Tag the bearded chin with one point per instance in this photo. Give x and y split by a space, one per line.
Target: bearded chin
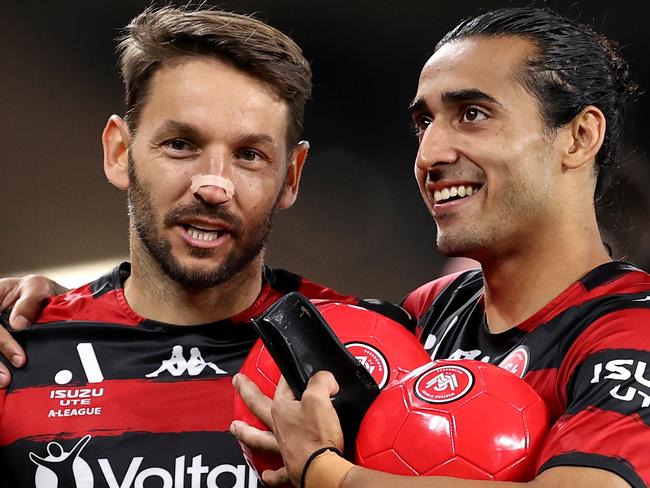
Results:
248 243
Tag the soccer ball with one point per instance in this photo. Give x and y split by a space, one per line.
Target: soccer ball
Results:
465 419
387 350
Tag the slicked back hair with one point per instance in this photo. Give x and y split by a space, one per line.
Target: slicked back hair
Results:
259 50
571 67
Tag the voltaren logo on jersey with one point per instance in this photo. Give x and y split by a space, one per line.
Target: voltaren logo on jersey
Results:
78 401
67 469
372 359
444 383
517 361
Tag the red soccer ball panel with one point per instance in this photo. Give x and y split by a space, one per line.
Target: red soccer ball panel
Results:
389 458
424 452
385 423
491 432
459 468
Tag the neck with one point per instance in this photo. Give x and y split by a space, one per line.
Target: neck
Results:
524 281
155 296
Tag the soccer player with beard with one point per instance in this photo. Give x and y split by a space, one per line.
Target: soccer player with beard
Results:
518 114
129 378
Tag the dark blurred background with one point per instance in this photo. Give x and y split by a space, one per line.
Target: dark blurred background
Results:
359 224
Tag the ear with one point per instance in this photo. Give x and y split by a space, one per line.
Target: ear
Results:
115 141
294 172
585 135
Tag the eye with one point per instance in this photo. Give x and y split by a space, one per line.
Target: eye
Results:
472 114
250 155
420 123
178 148
178 145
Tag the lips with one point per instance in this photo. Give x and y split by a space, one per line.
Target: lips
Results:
204 233
200 234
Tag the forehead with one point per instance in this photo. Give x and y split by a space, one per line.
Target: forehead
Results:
215 96
486 64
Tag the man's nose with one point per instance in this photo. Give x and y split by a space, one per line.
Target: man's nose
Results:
214 186
436 147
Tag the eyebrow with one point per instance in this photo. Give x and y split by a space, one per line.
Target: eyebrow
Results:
453 97
190 130
468 95
176 126
257 138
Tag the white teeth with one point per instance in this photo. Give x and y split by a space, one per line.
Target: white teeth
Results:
202 235
453 191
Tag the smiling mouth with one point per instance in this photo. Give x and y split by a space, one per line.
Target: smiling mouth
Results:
453 193
200 234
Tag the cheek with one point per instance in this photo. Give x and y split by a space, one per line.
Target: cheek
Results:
255 192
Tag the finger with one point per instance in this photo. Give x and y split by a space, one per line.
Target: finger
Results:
33 291
283 392
277 477
324 382
10 349
255 400
256 439
5 376
8 292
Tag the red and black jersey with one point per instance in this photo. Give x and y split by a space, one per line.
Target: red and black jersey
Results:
587 353
111 399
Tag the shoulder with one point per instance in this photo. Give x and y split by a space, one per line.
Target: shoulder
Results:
100 300
419 300
283 281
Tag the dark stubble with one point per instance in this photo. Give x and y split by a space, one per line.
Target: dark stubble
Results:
249 242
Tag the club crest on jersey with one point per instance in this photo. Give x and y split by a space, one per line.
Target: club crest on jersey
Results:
443 384
372 359
631 373
177 365
517 361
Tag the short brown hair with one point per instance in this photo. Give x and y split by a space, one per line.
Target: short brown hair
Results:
261 51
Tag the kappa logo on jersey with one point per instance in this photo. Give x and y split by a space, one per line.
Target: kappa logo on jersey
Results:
443 384
177 365
630 371
63 469
372 359
517 361
68 470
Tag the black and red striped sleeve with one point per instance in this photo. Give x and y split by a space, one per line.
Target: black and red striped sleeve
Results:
604 382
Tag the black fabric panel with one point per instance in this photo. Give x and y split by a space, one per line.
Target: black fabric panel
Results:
606 274
461 292
614 465
282 280
111 280
119 349
623 384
